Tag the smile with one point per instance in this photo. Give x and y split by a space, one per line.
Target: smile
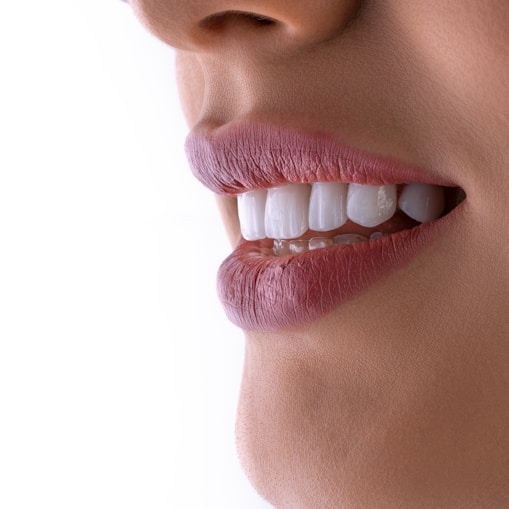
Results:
321 222
304 217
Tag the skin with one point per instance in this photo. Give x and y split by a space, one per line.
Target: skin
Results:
399 398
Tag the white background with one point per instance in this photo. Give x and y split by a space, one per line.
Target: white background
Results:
119 375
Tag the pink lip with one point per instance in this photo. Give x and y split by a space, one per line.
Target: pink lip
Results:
242 157
261 291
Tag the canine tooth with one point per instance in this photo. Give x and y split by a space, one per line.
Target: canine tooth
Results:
251 207
319 243
422 202
286 211
298 246
348 238
327 206
371 205
281 247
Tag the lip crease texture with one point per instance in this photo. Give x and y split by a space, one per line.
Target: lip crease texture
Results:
261 291
249 156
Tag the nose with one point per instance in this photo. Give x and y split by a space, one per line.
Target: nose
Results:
199 25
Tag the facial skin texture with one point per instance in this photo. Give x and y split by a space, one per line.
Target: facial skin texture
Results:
399 398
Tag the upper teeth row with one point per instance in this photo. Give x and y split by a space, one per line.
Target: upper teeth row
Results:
287 212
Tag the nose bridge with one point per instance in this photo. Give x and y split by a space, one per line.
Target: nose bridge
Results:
202 25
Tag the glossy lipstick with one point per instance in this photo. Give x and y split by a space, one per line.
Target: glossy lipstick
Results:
260 291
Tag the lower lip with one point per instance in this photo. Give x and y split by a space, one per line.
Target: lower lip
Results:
260 291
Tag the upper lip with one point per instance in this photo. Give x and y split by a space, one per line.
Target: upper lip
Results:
243 156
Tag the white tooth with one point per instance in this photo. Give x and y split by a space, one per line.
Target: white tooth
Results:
376 235
327 206
286 211
298 246
348 238
371 205
319 243
251 207
422 202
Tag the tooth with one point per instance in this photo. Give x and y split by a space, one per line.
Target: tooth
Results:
251 207
376 235
281 247
299 246
371 205
319 242
422 202
348 238
286 211
327 206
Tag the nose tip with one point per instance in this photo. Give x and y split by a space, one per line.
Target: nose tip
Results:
199 24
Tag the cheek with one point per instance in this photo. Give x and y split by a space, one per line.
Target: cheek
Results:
191 86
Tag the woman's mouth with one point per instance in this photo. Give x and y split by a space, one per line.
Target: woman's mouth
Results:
318 228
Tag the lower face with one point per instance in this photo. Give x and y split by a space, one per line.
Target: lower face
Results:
397 395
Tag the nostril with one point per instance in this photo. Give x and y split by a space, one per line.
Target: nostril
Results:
221 20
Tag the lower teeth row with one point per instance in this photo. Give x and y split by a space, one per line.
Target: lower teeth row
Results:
286 247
